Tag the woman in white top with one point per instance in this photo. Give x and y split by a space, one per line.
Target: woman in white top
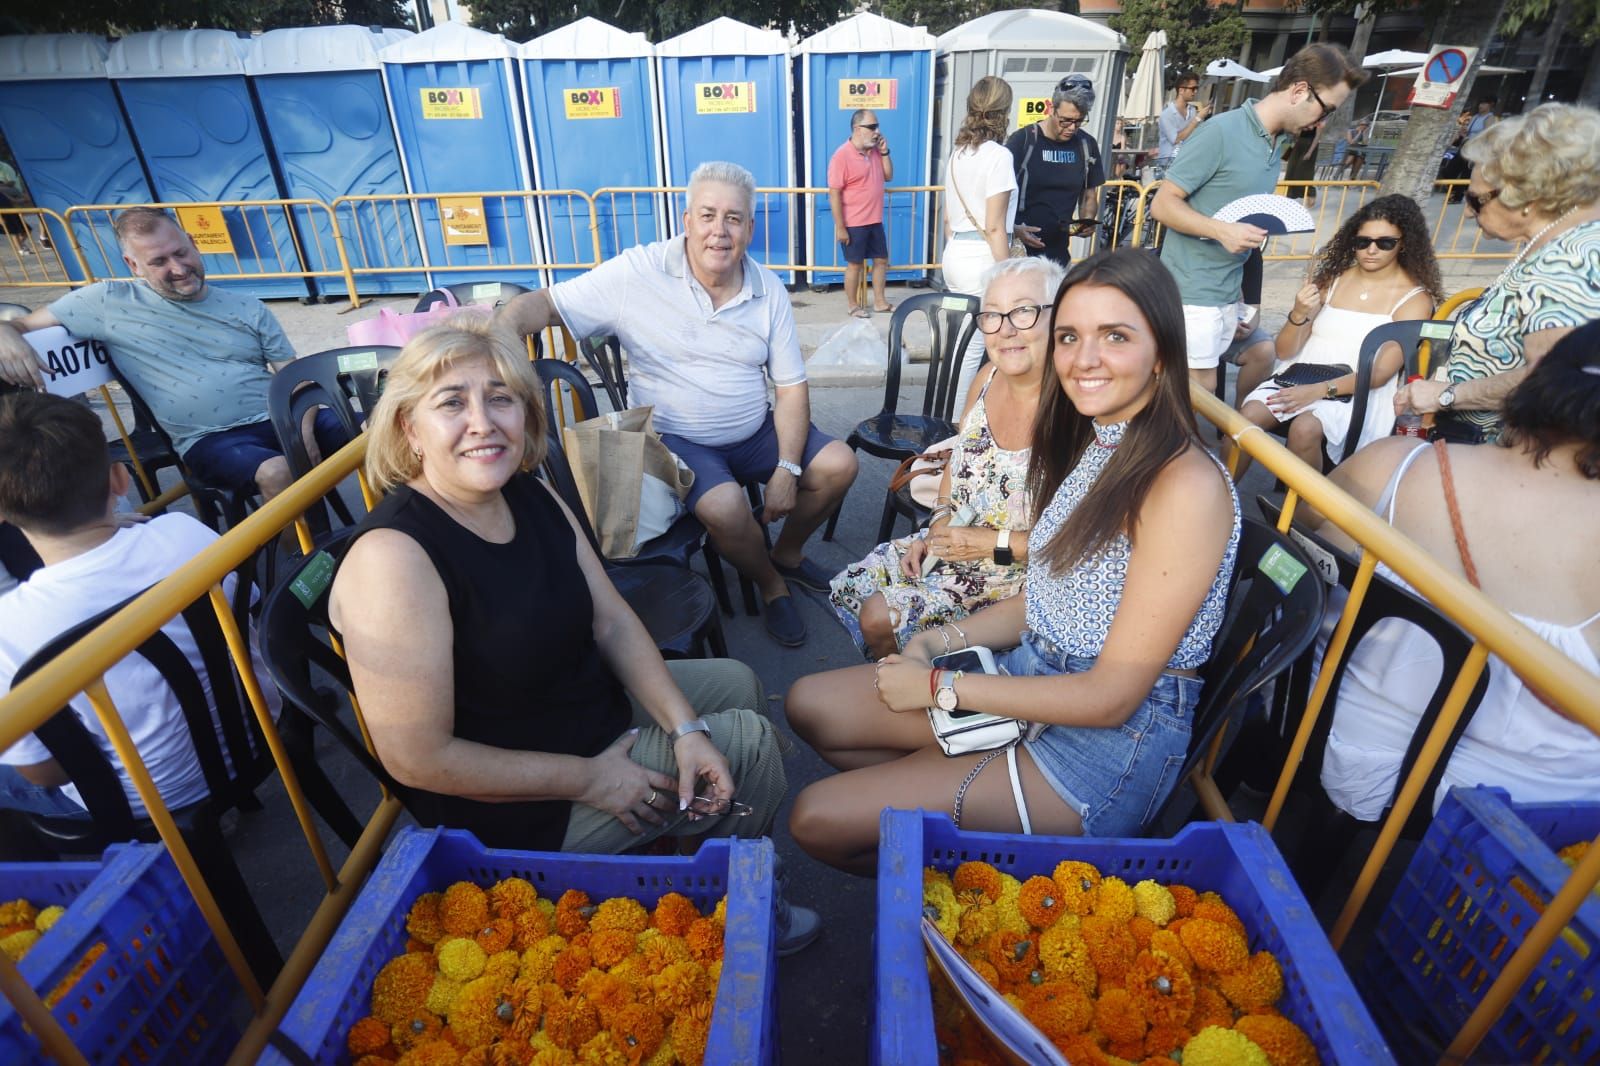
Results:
1528 514
980 204
1378 268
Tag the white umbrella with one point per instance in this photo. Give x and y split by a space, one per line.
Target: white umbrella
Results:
1145 97
1394 57
1273 73
1227 68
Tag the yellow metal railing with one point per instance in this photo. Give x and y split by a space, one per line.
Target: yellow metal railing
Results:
31 258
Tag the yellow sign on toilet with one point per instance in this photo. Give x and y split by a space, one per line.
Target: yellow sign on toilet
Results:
1031 109
208 228
463 219
724 97
451 103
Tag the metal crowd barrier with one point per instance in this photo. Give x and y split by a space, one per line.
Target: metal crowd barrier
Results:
31 258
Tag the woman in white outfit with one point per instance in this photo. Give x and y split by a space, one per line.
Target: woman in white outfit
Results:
980 205
1379 268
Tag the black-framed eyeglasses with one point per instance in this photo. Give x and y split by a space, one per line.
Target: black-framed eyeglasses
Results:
1073 122
1022 317
1189 88
867 125
1477 202
1386 244
1326 110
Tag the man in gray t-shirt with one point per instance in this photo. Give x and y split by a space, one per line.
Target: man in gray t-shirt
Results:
200 357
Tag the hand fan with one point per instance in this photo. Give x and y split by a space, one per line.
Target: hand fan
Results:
1275 214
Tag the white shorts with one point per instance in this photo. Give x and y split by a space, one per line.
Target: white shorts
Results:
1209 332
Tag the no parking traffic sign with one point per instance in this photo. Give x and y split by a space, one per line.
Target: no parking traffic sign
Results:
1446 68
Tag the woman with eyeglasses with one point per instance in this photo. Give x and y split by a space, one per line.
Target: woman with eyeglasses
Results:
1536 182
1378 268
978 534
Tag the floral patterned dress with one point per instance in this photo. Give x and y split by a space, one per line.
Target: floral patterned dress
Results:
993 482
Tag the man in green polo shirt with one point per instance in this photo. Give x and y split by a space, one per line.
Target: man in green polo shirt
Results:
1233 155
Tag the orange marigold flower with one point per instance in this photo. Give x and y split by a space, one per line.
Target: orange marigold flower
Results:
482 1011
417 947
1256 984
1119 1017
1124 1051
572 913
401 988
608 992
1183 900
673 914
1040 902
1114 900
1168 941
990 975
1285 1043
1210 905
511 896
680 986
432 1053
1079 882
504 1053
375 1059
1111 947
570 1021
610 946
552 1056
704 940
1163 1040
460 958
539 960
1058 1008
1209 1009
977 921
977 876
1082 1050
496 935
689 1031
409 1034
621 912
1142 929
639 1030
503 966
1213 945
366 1037
464 909
1013 955
570 967
659 952
18 912
1161 987
528 928
422 921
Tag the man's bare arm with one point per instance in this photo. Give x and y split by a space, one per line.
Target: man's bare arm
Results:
529 312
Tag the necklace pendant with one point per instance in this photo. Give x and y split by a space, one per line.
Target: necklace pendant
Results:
1361 296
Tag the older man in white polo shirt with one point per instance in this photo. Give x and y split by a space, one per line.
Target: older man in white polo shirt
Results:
706 327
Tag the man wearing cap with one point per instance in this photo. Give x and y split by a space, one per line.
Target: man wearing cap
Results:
856 176
1059 172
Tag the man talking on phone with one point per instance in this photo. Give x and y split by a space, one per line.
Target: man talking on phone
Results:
856 176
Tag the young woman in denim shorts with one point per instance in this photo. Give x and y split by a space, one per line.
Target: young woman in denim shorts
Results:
1128 565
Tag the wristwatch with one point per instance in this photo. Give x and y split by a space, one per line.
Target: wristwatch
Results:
1333 391
1447 398
945 698
793 468
697 725
1002 549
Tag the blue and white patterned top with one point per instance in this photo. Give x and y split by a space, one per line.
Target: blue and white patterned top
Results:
1074 610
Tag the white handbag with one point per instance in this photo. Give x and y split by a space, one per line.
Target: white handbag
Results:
960 732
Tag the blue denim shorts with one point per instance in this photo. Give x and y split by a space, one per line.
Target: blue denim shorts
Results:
1115 778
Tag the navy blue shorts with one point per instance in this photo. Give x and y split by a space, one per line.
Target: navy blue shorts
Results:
232 456
750 460
866 242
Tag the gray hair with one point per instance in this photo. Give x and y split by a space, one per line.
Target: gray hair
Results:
1074 89
724 173
1049 272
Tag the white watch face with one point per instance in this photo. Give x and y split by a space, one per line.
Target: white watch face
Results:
946 698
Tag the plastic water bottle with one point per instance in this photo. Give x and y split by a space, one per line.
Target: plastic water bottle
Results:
1410 424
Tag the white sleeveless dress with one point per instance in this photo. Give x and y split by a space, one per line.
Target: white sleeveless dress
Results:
1336 337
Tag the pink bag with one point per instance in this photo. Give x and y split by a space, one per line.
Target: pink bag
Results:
394 327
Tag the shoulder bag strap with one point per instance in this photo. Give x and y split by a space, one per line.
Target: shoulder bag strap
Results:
956 184
1031 136
1442 452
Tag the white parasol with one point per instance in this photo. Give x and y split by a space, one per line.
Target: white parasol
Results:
1145 97
1227 68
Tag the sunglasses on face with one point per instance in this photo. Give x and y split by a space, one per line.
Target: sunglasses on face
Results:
1387 244
1476 202
1022 317
868 125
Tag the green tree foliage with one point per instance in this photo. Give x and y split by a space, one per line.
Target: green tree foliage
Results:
1197 31
522 20
941 15
118 17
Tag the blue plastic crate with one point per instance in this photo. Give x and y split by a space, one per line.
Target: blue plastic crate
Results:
744 1023
1239 861
1455 919
160 993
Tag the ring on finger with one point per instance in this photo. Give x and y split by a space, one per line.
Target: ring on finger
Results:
650 800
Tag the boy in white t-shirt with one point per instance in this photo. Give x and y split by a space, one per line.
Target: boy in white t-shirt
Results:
59 486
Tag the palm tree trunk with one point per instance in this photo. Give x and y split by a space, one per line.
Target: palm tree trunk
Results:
1547 51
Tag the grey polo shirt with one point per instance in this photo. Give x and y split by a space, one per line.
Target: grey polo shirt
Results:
1229 156
704 370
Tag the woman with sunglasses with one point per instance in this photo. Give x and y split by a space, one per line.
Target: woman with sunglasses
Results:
1378 268
1535 181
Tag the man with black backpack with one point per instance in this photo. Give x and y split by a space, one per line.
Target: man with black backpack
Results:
1059 172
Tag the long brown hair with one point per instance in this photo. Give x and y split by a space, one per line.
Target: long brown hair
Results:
988 107
1158 434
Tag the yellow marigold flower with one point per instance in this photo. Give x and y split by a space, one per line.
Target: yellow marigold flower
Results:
1162 1040
1168 941
661 951
1119 1017
1213 945
1111 947
680 986
978 876
432 1053
1114 900
704 940
408 1034
539 960
461 959
1256 984
639 1029
401 988
464 909
571 1021
551 1055
1154 902
18 912
632 972
689 1031
571 965
1284 1042
511 896
602 1049
1058 1008
529 927
720 911
621 913
1065 957
1183 899
1216 1046
1209 1009
19 943
1012 955
714 974
504 966
482 1011
662 1056
1079 882
1039 900
608 992
1161 987
673 914
367 1037
939 904
932 876
572 913
1210 905
441 994
1008 909
48 917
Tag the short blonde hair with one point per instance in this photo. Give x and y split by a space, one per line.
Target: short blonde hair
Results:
1548 159
390 460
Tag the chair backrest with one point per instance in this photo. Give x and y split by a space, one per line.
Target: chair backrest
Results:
336 379
951 318
604 356
470 292
1337 566
290 646
554 372
8 311
71 744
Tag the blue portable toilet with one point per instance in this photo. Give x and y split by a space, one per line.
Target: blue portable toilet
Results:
453 94
321 94
66 130
591 95
725 95
195 124
870 61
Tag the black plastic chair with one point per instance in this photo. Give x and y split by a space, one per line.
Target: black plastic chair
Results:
470 292
150 444
1267 626
9 311
677 606
951 319
1409 335
604 356
241 747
